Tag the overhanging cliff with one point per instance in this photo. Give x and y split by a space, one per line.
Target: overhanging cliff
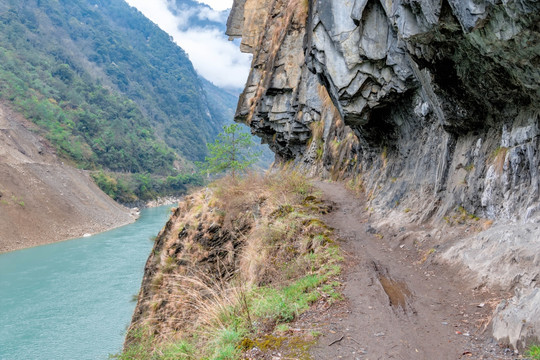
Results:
431 105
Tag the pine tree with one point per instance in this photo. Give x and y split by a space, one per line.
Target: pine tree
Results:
231 151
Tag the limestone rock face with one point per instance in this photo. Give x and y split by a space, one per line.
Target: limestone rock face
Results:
435 104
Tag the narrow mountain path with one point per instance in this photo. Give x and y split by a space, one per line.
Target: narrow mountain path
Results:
397 306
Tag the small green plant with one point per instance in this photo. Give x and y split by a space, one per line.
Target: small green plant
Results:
426 255
320 150
178 351
140 346
331 292
356 184
466 215
170 264
336 143
533 352
225 346
285 304
461 216
230 152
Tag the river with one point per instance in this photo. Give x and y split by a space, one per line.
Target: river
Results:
74 299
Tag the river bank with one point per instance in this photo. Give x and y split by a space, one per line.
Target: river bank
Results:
42 199
58 234
160 201
79 209
91 223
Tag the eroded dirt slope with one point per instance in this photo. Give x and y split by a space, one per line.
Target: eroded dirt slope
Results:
399 305
43 200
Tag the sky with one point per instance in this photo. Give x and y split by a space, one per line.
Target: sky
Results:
212 55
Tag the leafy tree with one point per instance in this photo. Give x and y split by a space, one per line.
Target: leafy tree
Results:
231 151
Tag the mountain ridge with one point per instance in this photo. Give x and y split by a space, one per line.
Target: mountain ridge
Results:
110 90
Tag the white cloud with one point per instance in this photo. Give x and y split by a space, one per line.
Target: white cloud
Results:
217 59
212 15
218 4
158 12
212 55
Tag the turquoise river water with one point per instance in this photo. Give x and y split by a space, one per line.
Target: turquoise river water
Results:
73 300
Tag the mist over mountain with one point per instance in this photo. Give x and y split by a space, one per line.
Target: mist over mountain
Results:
196 14
200 31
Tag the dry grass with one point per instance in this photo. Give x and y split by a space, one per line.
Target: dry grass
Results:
338 145
486 224
499 158
317 128
356 184
237 256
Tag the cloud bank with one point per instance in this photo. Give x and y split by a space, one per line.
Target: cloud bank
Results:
198 30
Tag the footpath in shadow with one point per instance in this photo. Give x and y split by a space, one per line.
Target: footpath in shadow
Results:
397 305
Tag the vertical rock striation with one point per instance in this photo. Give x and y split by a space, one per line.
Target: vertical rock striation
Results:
433 103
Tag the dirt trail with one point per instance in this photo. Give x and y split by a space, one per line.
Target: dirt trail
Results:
397 306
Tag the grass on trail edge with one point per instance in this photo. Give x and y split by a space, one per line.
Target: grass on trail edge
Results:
533 352
247 313
236 333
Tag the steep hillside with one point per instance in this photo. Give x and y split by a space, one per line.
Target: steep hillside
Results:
42 199
220 103
109 89
234 261
429 107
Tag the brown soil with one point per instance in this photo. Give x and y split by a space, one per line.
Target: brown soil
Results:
398 305
43 200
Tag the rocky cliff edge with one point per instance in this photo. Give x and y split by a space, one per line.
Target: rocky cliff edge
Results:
429 106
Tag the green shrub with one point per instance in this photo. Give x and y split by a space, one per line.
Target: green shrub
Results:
533 352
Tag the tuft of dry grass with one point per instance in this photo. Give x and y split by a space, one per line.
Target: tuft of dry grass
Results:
486 224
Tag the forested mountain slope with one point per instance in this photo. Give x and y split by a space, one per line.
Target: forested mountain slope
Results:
109 89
